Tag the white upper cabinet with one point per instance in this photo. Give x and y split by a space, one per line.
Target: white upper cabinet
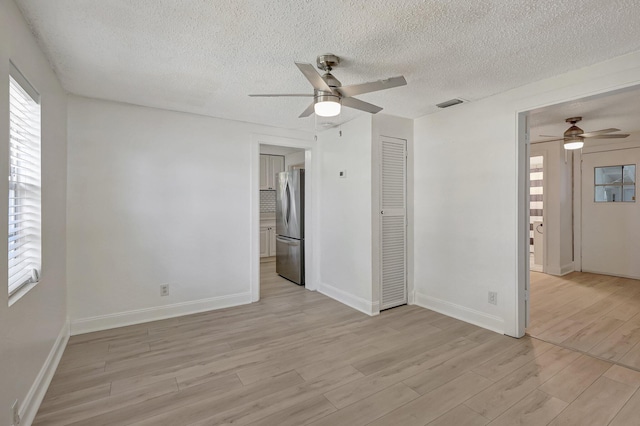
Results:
270 165
264 171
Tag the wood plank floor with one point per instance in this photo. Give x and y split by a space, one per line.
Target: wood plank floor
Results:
298 357
595 314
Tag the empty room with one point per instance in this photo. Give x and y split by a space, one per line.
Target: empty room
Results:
419 212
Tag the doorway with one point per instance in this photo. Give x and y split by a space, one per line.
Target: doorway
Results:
270 156
588 299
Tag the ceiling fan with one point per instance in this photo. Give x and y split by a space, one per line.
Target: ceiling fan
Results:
574 136
329 94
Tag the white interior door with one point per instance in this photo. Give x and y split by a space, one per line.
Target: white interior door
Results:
393 222
610 213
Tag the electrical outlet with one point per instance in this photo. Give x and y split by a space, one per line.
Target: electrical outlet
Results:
164 290
493 297
16 413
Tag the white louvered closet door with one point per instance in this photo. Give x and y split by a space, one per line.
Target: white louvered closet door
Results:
393 211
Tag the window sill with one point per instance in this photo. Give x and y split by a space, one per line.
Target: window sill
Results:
21 292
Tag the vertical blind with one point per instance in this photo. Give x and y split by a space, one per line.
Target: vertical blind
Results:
24 184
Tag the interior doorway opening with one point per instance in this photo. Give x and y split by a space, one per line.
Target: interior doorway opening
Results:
282 227
587 296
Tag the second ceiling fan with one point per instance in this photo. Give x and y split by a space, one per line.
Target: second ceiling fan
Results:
329 94
574 137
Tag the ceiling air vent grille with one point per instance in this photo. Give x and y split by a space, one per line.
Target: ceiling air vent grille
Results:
450 103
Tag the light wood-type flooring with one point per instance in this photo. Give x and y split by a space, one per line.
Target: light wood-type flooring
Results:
298 357
595 314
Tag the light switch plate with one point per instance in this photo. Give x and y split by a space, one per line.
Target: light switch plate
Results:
342 173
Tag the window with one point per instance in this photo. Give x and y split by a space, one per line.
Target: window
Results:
615 184
24 183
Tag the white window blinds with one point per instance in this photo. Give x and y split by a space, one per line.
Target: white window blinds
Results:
24 183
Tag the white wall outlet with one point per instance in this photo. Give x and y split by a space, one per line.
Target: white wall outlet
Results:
16 413
164 289
493 297
342 173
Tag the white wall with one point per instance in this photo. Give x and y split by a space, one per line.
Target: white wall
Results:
157 197
35 326
465 157
293 158
345 214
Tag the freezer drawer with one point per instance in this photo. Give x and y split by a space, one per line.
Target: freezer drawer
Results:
290 259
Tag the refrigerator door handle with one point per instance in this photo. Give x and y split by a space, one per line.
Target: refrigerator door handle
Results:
287 217
287 241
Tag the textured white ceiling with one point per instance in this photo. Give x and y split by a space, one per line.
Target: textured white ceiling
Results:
206 56
620 110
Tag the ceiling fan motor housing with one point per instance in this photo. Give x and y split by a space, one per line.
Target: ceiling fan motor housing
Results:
331 80
326 97
322 96
573 131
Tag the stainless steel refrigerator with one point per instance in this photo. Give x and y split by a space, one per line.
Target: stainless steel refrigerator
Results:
290 226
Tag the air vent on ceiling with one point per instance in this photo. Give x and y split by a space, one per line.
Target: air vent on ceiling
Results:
449 103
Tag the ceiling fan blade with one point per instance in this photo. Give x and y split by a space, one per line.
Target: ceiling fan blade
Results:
373 86
548 140
549 136
307 112
598 132
314 78
618 136
361 105
267 95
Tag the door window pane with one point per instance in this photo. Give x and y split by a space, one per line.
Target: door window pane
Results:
629 193
605 175
629 174
614 184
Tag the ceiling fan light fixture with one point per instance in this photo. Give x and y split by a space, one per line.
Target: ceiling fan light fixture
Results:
327 105
327 108
573 143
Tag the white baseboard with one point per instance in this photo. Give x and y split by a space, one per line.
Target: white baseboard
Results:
138 316
567 269
355 302
481 319
563 270
633 277
32 401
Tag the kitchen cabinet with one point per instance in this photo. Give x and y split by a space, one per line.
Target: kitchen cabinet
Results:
270 165
264 241
267 239
272 241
